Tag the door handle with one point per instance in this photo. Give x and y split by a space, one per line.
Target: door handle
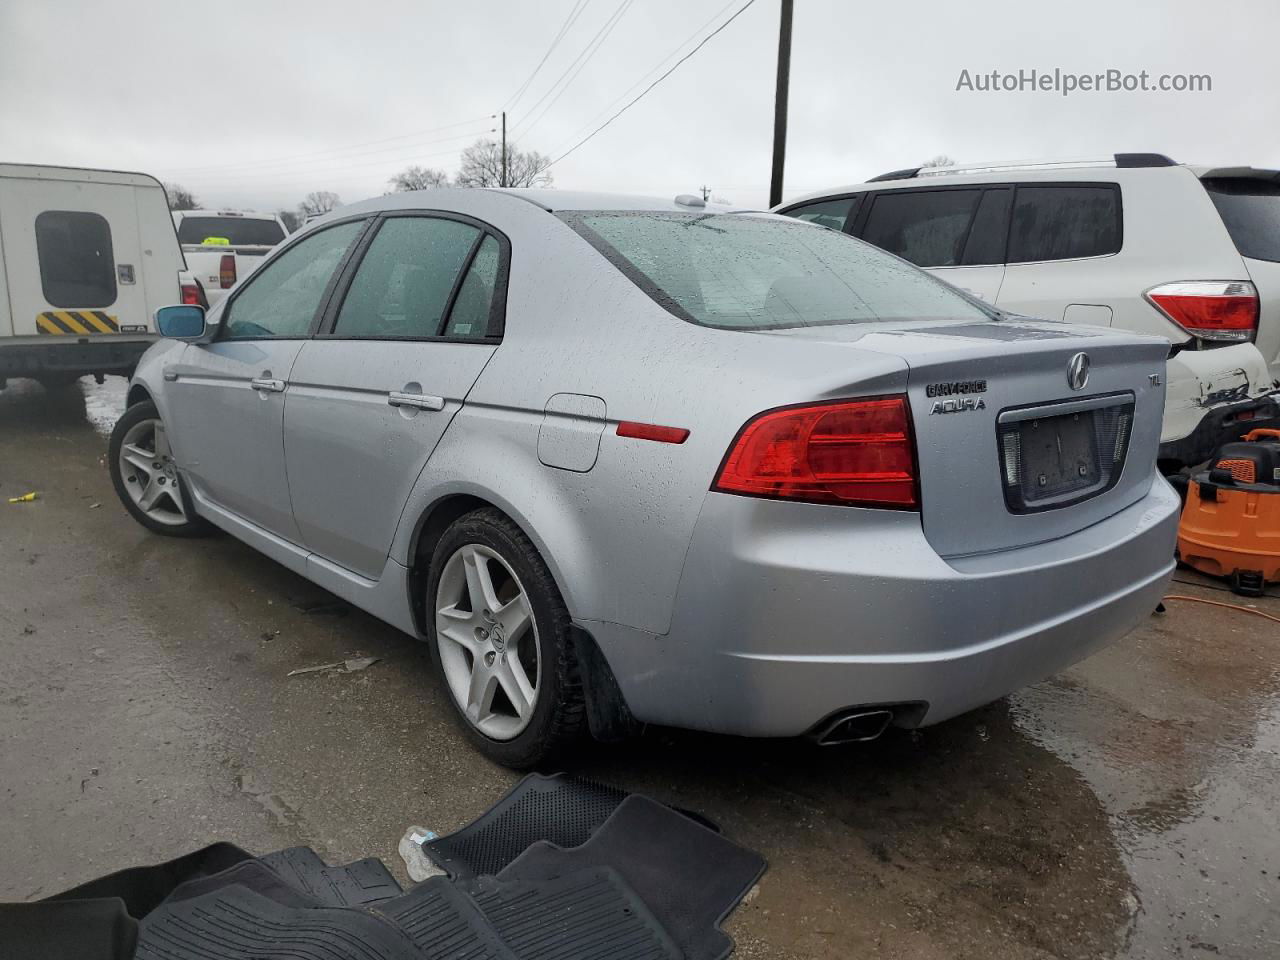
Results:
267 385
421 401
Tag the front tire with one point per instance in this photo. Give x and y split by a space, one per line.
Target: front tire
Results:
146 478
498 632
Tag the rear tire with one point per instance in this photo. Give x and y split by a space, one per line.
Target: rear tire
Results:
145 477
516 640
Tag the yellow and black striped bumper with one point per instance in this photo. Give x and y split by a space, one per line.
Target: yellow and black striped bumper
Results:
75 322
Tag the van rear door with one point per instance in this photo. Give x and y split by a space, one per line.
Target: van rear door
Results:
1249 202
73 257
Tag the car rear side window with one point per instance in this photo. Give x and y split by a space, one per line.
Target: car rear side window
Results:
744 272
990 230
1250 209
406 278
281 298
77 265
473 307
1065 222
825 213
927 227
236 231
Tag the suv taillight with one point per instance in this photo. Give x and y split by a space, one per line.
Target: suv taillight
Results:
227 271
856 452
191 295
1210 309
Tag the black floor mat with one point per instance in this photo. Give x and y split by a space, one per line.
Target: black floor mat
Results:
560 808
353 885
589 914
690 877
238 924
444 923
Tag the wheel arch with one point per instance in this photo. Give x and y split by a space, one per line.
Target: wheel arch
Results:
608 716
138 393
436 518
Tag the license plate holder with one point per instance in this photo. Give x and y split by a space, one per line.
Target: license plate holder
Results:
1059 456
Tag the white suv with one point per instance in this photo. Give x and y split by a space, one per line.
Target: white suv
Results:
1137 242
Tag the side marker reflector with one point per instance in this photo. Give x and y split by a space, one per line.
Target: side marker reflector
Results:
651 431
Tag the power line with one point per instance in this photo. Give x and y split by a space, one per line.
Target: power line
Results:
622 11
652 70
675 66
302 156
578 8
587 51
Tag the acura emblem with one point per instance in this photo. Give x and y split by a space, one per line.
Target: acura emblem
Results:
1078 371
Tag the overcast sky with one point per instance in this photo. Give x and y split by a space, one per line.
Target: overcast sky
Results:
255 104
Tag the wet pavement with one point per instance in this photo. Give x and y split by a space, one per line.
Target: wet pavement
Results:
1130 807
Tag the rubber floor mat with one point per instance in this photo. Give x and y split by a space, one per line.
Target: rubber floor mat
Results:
251 875
445 923
353 885
688 876
561 809
238 924
587 914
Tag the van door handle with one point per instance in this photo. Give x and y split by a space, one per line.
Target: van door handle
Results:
421 401
267 385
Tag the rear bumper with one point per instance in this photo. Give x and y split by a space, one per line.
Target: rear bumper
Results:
1222 424
787 614
31 357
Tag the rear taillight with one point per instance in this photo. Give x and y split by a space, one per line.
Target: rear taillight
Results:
191 295
857 452
227 271
1210 309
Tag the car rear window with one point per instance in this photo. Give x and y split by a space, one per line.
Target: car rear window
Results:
237 231
1250 209
739 271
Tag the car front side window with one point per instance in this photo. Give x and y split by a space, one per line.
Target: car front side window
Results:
281 299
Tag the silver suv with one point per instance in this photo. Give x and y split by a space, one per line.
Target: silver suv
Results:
1136 242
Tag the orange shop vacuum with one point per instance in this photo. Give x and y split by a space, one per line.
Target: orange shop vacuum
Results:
1231 521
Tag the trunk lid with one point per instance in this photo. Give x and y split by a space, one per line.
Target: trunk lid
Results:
1009 453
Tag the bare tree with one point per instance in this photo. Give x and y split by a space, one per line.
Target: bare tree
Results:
180 198
318 202
941 160
290 219
418 178
482 166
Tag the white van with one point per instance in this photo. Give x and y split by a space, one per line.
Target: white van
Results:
86 258
1136 242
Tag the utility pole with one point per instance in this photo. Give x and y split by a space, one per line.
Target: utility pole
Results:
504 149
780 103
706 193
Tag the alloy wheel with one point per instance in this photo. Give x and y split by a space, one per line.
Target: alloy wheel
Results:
488 641
150 474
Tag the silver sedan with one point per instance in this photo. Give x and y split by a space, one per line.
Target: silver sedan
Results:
623 461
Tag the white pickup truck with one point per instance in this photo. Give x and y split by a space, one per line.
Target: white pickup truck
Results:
223 246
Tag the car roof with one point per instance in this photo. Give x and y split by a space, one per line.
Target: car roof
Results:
547 199
238 214
1121 165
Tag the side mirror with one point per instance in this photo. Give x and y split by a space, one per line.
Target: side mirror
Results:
183 322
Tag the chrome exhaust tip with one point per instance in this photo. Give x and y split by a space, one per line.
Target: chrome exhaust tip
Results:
853 726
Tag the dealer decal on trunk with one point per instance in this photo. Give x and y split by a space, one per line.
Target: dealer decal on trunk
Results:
75 322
